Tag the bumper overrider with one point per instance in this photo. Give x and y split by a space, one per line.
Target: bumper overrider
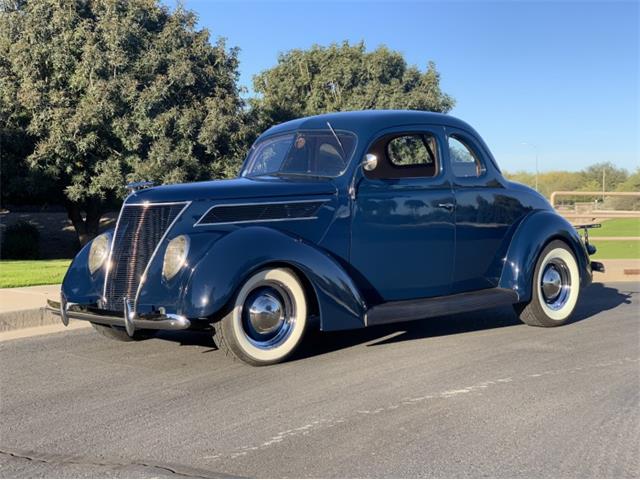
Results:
128 320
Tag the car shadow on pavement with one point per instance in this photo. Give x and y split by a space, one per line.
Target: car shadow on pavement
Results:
189 338
597 298
594 299
317 343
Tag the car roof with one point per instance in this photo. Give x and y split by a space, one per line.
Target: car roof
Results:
371 121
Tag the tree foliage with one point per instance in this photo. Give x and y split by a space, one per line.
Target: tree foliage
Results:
98 93
631 184
344 77
613 176
102 92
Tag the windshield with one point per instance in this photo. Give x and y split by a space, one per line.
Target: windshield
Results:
320 153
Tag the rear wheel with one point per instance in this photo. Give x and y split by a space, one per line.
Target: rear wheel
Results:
556 288
268 318
119 334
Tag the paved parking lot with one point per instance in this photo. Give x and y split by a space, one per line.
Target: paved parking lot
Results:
465 396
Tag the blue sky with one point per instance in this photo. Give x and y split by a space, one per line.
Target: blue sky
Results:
559 75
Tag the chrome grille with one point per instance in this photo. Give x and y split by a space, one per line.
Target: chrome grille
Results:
140 229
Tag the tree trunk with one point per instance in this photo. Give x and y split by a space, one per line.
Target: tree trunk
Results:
87 226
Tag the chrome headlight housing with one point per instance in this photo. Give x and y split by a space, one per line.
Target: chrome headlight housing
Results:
175 257
99 252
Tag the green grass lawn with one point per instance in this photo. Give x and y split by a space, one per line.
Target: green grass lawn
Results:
23 273
618 227
612 249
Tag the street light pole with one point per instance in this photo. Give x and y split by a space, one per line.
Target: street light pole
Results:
535 148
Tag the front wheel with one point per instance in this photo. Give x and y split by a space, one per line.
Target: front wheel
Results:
556 288
267 320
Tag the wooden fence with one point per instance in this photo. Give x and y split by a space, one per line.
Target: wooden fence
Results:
583 211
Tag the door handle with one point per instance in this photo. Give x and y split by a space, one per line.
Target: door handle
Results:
447 206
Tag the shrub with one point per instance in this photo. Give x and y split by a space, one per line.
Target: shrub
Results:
20 241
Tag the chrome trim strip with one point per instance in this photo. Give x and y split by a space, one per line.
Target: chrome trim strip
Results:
143 278
168 321
239 222
148 204
199 224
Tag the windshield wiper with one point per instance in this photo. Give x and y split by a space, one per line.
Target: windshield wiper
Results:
344 156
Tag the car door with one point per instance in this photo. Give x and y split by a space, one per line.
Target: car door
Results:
485 213
402 235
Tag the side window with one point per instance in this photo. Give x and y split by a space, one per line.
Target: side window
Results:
465 162
405 155
409 150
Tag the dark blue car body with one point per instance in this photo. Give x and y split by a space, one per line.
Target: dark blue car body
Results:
366 247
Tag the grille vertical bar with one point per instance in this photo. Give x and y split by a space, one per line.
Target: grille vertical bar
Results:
139 231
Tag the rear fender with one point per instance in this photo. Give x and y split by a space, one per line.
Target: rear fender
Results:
232 258
534 232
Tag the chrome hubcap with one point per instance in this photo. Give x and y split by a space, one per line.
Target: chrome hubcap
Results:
551 283
555 284
268 315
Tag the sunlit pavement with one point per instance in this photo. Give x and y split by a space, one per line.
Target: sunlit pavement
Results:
470 395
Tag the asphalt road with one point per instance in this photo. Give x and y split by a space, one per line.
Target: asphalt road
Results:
465 396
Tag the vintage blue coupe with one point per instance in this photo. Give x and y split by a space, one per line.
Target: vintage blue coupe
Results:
340 221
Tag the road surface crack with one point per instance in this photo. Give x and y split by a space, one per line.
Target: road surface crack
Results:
51 459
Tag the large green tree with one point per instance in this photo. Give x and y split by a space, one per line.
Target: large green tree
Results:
102 92
344 77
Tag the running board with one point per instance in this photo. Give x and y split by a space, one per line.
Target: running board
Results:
404 310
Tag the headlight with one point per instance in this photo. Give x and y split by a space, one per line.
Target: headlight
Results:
98 252
175 257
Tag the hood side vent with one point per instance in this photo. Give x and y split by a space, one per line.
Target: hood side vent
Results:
261 212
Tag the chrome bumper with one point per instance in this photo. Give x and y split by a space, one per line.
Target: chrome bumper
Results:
129 321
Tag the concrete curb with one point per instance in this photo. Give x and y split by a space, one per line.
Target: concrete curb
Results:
33 317
42 330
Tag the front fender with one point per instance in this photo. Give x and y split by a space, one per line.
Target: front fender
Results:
79 285
221 271
534 232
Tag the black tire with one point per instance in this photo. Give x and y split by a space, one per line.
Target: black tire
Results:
552 311
119 334
235 334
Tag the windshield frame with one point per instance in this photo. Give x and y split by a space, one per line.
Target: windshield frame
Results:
262 139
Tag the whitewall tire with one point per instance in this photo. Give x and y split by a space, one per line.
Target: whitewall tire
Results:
555 289
267 320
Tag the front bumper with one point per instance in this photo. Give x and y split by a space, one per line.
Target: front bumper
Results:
129 320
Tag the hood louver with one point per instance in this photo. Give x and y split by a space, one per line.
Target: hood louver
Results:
261 212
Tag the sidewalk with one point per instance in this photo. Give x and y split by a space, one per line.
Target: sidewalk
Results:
24 307
618 271
26 298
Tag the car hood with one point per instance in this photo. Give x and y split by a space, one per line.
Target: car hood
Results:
236 188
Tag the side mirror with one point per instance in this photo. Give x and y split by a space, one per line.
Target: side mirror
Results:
370 162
